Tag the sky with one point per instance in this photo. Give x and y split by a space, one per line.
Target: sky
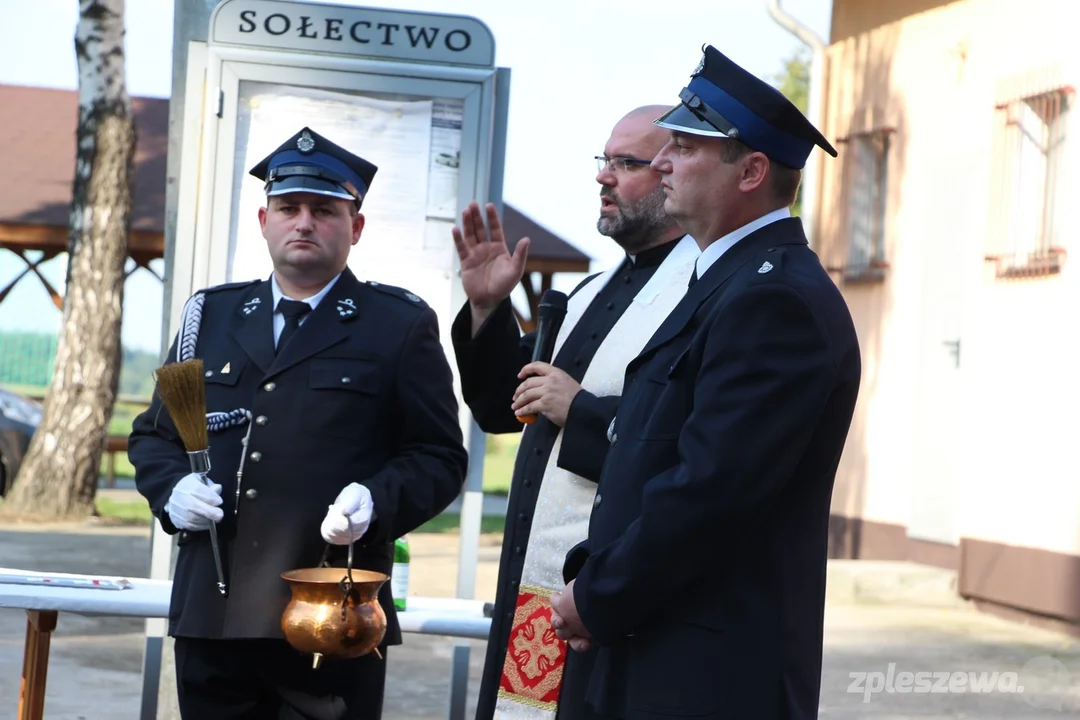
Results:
577 67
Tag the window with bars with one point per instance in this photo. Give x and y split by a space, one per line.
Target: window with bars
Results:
1030 141
867 189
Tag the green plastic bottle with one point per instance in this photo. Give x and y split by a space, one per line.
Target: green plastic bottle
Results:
399 576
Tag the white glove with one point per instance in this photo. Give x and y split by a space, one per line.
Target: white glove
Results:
194 504
353 504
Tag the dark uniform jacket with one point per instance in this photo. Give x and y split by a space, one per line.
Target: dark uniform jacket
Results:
488 365
362 393
703 576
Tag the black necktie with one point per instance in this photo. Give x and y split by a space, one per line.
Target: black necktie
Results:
294 311
693 279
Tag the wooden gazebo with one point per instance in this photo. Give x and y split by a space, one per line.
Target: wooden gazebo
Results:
37 150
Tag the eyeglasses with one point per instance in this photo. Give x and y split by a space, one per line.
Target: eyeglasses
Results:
626 164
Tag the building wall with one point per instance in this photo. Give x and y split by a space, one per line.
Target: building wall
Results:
993 438
855 17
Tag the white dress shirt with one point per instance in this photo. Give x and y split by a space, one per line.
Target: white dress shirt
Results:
313 301
712 253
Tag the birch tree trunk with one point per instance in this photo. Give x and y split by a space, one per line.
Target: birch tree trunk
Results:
59 475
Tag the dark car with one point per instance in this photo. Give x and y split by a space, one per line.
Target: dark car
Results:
19 418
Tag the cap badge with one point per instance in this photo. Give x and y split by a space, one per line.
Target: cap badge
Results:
305 143
700 66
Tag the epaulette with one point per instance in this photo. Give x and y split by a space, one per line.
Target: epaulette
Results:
230 286
398 292
770 259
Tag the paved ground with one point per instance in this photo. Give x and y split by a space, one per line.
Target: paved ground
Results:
96 663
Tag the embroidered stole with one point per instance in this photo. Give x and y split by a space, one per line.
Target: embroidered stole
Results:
533 669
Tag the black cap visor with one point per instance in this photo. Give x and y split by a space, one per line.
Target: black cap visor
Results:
308 184
693 116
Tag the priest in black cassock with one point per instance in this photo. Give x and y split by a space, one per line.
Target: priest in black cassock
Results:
528 672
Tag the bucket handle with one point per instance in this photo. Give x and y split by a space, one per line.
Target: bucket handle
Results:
347 582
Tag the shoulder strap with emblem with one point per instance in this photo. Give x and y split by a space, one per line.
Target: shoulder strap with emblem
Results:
398 292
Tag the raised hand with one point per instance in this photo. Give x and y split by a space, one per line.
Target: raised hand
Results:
489 272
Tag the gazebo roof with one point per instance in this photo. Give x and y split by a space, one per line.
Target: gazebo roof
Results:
37 144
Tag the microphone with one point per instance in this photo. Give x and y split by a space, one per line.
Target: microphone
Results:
551 314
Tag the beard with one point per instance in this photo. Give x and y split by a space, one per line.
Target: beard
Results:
636 225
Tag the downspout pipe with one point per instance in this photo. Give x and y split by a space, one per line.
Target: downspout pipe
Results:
815 101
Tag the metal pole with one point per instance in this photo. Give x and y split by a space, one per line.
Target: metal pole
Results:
472 510
191 22
472 501
811 173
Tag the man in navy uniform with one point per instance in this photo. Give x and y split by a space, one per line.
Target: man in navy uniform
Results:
702 580
610 317
332 418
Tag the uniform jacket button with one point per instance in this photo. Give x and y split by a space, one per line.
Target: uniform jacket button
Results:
256 456
261 420
251 494
596 501
269 387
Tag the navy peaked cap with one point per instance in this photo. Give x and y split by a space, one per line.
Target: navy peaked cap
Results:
724 100
308 162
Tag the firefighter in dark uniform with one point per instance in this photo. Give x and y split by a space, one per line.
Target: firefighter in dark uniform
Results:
702 581
492 354
330 404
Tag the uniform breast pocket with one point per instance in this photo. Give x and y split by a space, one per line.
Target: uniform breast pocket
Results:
220 379
342 395
227 373
665 388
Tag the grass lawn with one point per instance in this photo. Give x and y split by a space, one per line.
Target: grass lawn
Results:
123 415
133 513
120 512
138 513
498 467
498 464
452 524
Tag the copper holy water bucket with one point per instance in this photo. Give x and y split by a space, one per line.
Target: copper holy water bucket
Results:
334 612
